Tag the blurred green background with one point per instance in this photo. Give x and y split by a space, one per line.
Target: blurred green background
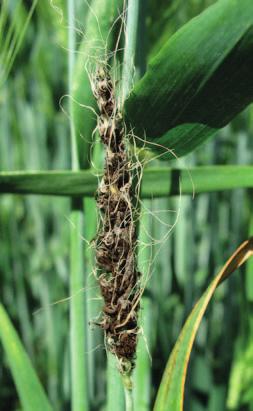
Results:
34 230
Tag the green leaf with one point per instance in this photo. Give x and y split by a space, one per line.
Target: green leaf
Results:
171 391
172 181
198 82
31 392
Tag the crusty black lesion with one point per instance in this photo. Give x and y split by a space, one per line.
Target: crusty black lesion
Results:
116 238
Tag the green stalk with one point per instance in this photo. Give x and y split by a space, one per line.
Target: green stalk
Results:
93 304
135 58
127 81
79 397
128 399
142 372
79 383
115 391
71 63
114 382
130 46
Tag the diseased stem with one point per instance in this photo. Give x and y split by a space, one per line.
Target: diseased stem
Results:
116 239
128 80
142 371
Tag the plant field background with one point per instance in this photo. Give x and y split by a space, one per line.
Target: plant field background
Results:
35 230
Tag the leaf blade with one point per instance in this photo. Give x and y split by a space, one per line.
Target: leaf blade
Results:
171 391
198 81
30 390
196 180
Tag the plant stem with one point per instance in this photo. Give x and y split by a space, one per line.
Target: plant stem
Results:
127 81
142 372
128 399
130 46
79 397
71 62
115 392
114 381
93 306
77 314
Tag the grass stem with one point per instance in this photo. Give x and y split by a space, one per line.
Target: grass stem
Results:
79 383
115 391
129 399
127 82
130 47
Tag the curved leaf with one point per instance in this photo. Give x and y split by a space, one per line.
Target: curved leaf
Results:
31 392
171 392
199 80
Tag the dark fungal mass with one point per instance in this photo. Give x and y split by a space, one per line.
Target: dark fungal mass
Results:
116 238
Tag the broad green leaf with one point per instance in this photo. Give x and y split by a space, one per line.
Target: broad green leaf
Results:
172 181
198 82
168 16
31 393
171 391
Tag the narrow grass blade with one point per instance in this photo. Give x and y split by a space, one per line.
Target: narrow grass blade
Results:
171 392
198 82
3 20
11 50
84 183
30 391
67 183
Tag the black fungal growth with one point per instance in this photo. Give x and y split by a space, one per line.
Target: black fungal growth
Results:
116 238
